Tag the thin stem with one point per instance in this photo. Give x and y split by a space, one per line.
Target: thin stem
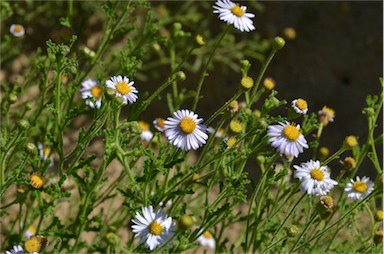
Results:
204 73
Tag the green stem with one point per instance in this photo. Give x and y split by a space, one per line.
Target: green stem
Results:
204 73
224 107
307 225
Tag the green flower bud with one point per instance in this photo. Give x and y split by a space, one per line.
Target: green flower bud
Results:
292 231
245 64
23 124
134 127
28 106
199 40
119 100
110 93
180 75
278 43
64 50
113 239
31 148
247 83
185 222
88 52
369 111
12 98
260 159
177 26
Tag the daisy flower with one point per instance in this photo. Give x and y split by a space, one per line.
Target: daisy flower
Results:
287 139
93 89
360 188
31 231
45 153
206 239
17 249
124 88
234 14
146 134
315 179
17 30
154 228
326 115
159 124
185 130
300 106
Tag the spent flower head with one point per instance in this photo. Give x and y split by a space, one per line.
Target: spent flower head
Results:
315 179
359 188
153 228
287 139
234 14
91 89
36 244
326 115
124 88
185 130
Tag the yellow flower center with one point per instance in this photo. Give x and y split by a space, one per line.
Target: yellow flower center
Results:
32 230
231 141
247 82
155 228
46 151
33 245
317 174
187 125
37 182
235 126
237 11
160 122
18 28
123 88
291 133
143 125
96 92
360 187
206 234
269 83
301 104
351 141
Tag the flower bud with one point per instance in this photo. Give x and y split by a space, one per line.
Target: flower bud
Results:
350 141
113 239
199 40
292 231
233 106
23 124
110 93
269 83
245 64
88 52
379 215
64 50
289 33
260 159
31 148
323 152
28 106
119 100
235 126
247 83
257 113
12 98
180 75
378 237
278 43
349 163
185 222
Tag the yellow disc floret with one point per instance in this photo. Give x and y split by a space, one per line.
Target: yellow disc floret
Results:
37 181
160 122
350 141
247 82
237 11
207 235
360 187
291 133
123 88
269 83
143 125
18 28
96 92
236 126
155 228
317 174
187 125
301 104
